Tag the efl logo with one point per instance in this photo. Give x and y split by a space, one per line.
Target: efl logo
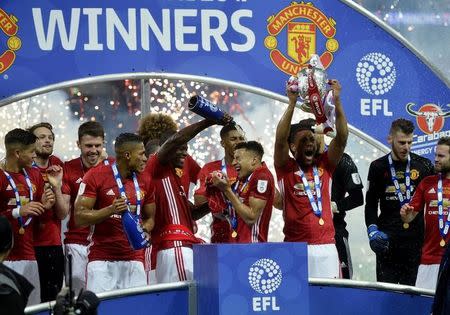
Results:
430 117
302 22
376 73
265 277
8 24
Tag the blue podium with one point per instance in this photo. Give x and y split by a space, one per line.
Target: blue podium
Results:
240 279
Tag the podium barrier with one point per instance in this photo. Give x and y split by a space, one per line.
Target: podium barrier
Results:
269 278
228 282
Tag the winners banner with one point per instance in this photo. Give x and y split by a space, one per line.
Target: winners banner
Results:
251 42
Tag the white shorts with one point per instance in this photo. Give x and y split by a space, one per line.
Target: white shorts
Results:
151 276
105 276
323 261
174 264
79 264
28 269
427 276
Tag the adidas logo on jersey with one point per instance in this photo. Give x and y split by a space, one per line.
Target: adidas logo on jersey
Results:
110 193
79 180
432 191
9 187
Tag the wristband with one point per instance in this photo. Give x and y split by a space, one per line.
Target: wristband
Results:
16 213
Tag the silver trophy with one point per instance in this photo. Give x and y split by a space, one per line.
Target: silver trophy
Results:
314 95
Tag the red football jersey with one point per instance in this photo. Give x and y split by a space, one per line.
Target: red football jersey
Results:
108 240
74 171
220 229
171 188
23 244
47 228
300 222
261 185
425 198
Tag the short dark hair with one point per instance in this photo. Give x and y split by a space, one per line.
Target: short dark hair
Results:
444 141
404 125
19 136
91 128
227 128
42 125
304 124
126 138
252 146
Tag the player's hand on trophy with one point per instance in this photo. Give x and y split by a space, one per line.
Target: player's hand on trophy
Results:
119 205
406 213
336 87
48 197
55 175
292 93
33 208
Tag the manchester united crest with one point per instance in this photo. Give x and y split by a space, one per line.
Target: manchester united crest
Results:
8 25
303 24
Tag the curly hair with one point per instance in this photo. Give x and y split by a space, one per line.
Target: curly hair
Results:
153 125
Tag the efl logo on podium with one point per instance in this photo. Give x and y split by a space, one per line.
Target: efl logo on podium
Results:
265 277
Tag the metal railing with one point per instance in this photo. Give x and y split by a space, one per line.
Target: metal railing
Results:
192 288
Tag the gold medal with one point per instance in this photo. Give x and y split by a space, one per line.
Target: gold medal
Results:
321 221
21 230
406 225
442 243
234 234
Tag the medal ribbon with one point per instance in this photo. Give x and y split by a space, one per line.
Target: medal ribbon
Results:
230 213
122 189
17 196
316 207
443 226
233 217
398 192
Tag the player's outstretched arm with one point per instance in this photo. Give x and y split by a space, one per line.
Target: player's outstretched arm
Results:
181 138
281 154
337 145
